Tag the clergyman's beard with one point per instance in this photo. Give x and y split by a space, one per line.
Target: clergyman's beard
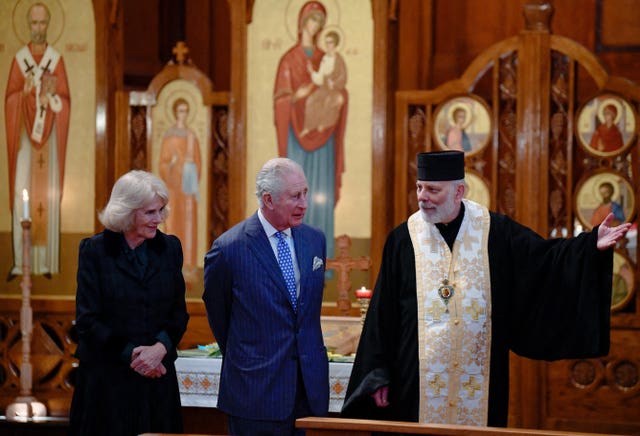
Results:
441 213
39 37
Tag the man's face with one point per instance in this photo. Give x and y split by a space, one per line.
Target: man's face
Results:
38 23
606 193
439 201
460 117
330 43
181 112
287 208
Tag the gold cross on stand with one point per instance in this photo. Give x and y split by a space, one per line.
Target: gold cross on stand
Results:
343 264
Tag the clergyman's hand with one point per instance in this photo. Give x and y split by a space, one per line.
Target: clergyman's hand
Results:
381 396
609 236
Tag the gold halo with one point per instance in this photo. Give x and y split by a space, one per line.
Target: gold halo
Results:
610 101
192 101
292 11
459 105
21 27
323 33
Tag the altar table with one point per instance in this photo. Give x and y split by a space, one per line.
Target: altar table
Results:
199 379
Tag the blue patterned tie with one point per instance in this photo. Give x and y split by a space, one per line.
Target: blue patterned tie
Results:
286 265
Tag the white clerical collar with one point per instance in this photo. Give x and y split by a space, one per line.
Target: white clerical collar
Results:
268 228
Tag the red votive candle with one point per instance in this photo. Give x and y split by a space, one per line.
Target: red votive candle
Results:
364 293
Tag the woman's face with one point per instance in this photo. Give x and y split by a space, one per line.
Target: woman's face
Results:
313 24
145 222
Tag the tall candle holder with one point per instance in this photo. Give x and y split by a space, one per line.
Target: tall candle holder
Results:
364 297
26 407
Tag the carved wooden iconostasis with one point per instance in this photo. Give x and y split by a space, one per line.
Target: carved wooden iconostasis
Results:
542 123
177 129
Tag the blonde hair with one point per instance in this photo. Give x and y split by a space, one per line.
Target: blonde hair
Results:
132 191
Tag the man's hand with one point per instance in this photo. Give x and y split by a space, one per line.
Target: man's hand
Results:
381 396
609 236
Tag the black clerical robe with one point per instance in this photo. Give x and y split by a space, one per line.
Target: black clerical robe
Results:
550 300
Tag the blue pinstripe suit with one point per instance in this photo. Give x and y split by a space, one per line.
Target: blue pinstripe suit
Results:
262 339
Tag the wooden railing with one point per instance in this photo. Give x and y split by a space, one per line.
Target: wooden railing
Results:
365 427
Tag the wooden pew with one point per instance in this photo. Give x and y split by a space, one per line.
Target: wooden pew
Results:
365 427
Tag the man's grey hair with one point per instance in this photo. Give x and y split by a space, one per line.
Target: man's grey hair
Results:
132 191
270 178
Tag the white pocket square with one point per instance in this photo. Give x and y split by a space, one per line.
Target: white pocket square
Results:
317 263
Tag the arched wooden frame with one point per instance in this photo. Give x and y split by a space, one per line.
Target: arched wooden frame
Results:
133 132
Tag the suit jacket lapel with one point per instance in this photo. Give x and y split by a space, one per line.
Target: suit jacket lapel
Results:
261 248
302 252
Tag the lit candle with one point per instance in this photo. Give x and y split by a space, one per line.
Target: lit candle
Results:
25 204
364 293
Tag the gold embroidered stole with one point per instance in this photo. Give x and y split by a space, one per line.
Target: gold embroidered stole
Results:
454 334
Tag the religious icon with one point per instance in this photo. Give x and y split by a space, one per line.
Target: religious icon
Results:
603 193
310 105
180 133
445 292
463 123
38 108
477 188
606 125
624 281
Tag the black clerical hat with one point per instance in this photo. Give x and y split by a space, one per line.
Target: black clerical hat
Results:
441 166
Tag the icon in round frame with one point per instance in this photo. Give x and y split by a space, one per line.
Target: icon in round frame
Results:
477 189
463 123
606 125
624 280
601 194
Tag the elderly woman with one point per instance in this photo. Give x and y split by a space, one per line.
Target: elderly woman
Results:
130 316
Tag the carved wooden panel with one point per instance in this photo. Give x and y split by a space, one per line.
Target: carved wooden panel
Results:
219 180
53 343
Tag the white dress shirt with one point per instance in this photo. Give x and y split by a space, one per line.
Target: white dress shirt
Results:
273 240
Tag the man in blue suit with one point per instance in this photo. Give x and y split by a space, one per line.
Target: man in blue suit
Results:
263 283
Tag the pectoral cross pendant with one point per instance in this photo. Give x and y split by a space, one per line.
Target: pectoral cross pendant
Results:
445 292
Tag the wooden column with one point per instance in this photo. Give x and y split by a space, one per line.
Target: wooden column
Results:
240 12
532 157
381 137
109 72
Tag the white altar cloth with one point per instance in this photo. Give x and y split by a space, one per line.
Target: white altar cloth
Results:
199 379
